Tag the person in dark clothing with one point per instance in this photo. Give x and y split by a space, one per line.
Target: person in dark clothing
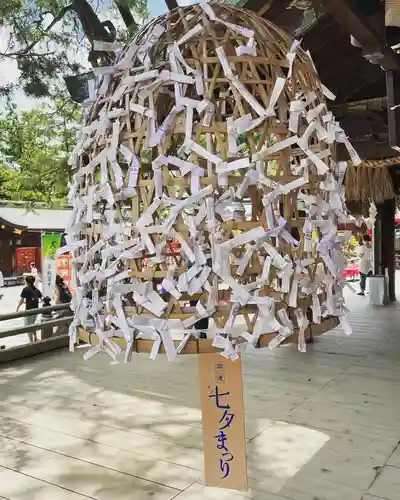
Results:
62 295
30 295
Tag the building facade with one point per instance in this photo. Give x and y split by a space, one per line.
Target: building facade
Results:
20 236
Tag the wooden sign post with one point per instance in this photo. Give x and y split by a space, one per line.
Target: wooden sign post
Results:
221 390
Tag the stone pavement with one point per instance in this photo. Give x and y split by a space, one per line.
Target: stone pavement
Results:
320 426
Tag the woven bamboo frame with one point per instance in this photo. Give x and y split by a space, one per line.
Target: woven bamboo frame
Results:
196 346
258 74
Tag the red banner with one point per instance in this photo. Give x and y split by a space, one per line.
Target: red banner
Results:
24 258
64 269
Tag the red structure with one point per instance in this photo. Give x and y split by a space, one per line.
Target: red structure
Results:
24 258
20 236
64 269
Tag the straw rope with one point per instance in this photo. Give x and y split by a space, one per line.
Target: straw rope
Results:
384 162
363 184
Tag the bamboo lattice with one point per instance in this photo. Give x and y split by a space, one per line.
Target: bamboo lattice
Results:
184 142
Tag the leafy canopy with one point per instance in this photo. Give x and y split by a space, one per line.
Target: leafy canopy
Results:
35 146
47 37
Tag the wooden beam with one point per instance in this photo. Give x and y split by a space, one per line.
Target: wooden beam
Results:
357 25
375 104
368 150
393 107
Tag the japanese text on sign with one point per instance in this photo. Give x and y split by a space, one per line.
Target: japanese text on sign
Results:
224 423
221 393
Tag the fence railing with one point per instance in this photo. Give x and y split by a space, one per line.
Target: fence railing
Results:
32 312
56 330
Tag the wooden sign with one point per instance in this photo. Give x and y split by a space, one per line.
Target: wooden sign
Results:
221 391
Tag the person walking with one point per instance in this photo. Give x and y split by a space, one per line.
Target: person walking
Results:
30 295
35 273
365 255
62 294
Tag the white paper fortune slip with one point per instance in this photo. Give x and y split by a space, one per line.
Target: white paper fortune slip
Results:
204 191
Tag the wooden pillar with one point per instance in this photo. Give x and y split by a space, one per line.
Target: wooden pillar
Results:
377 243
393 104
384 245
389 246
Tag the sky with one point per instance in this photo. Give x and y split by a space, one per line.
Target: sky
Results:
9 71
156 7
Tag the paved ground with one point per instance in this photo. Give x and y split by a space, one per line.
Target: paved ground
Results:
320 426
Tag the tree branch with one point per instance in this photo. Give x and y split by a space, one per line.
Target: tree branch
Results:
94 29
27 49
171 4
126 15
92 26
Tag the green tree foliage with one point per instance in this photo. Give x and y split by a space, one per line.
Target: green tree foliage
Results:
38 142
43 35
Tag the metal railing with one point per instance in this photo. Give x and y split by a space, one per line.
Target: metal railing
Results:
56 334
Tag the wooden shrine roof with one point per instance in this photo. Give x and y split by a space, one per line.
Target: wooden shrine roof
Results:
341 68
340 65
35 220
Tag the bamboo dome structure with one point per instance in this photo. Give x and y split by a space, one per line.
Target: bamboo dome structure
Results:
211 130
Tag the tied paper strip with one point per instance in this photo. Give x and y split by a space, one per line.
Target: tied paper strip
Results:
302 323
250 49
224 343
208 236
169 284
249 344
100 46
275 148
252 101
285 331
187 336
291 55
201 313
276 93
164 127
